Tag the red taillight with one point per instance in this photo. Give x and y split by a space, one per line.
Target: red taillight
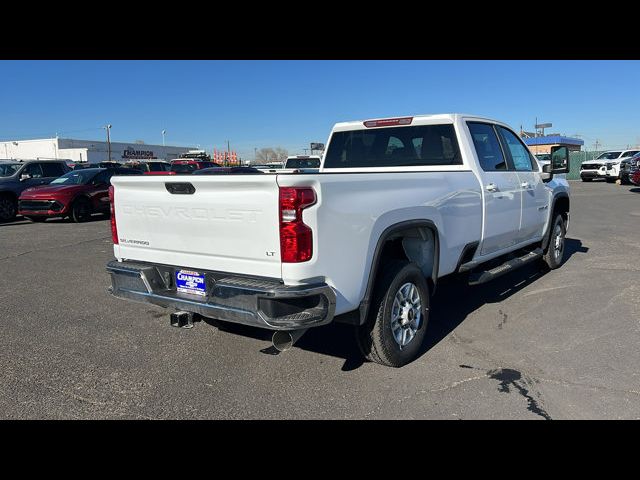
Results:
386 122
114 227
296 238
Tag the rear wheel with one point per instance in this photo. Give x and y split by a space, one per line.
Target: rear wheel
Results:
394 333
554 255
81 211
8 208
586 179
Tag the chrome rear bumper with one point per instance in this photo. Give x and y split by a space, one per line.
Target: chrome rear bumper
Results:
260 302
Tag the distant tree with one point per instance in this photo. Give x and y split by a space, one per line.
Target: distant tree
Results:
266 155
281 154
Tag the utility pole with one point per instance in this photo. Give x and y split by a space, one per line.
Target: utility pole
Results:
108 127
163 132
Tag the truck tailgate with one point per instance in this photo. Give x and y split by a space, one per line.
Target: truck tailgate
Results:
229 223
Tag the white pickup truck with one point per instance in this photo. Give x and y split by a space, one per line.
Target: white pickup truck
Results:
396 204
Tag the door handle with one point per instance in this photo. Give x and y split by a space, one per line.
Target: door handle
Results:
492 187
525 185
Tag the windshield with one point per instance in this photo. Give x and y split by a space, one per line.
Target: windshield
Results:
303 163
609 156
76 177
8 169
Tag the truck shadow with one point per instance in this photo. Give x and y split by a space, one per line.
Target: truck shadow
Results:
453 302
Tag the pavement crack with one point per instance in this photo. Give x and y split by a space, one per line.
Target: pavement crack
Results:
585 385
455 384
76 397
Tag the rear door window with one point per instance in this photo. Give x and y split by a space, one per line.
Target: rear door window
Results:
487 147
519 155
394 147
33 169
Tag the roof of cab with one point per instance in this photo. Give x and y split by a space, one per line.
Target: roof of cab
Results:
416 120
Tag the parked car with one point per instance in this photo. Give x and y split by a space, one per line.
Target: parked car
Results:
303 161
266 168
364 240
613 166
77 195
596 168
150 167
17 176
184 167
227 171
543 157
628 167
635 177
97 165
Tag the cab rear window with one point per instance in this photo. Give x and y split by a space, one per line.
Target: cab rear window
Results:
394 147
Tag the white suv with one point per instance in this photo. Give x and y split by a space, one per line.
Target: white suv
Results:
597 168
613 167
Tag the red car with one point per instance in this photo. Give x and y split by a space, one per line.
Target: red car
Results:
189 166
76 194
635 178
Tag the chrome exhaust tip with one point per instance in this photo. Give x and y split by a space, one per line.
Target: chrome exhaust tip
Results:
284 340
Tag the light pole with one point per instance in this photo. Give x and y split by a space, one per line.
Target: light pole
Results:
163 132
108 127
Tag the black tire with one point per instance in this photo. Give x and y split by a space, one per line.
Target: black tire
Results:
376 338
8 208
554 256
81 210
36 219
587 179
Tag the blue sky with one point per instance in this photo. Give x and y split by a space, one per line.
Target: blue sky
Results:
291 103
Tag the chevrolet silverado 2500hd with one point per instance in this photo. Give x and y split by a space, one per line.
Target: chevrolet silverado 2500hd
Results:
396 204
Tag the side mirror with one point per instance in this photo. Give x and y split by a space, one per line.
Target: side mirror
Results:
25 176
559 159
547 172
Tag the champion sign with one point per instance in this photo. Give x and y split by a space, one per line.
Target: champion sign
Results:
131 153
190 282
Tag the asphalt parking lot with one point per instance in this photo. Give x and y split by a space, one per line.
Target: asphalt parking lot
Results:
531 345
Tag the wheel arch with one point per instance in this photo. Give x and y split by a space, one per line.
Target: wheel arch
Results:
418 241
9 193
561 204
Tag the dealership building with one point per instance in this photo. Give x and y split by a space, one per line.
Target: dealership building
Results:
85 150
543 144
